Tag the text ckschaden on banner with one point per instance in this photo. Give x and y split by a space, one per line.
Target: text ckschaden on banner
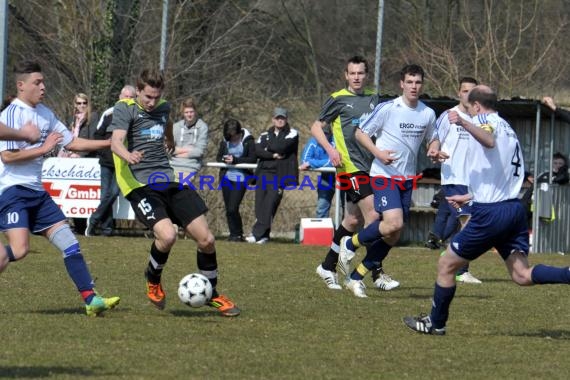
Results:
75 186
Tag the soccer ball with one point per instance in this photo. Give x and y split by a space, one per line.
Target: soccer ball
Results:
195 290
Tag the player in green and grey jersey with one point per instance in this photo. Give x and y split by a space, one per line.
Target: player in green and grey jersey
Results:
148 182
344 110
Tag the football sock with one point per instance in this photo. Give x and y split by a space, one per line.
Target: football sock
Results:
156 262
544 274
368 235
332 256
442 298
76 267
208 266
10 253
362 269
380 250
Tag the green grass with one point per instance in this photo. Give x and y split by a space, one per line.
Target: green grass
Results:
291 326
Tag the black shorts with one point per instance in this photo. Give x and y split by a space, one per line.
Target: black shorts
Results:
355 185
181 204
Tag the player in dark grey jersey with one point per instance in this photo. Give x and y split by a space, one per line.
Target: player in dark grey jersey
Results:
151 186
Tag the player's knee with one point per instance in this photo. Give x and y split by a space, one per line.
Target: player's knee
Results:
522 277
206 243
392 226
18 251
351 222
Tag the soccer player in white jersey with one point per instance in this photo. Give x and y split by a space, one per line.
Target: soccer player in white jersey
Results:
453 140
498 218
399 126
24 204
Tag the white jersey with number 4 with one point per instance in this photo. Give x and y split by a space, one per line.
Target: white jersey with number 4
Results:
454 141
399 128
28 173
495 174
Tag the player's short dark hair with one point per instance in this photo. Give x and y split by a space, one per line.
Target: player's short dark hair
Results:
27 67
357 59
412 69
150 77
468 80
485 96
232 127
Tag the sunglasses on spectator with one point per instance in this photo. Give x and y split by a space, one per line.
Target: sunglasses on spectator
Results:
81 103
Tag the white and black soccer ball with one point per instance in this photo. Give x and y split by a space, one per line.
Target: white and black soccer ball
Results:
195 290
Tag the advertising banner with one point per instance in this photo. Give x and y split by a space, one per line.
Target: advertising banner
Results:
75 186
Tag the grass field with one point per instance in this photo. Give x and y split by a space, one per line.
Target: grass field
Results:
291 326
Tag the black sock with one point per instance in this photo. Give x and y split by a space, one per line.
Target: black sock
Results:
156 263
208 266
332 256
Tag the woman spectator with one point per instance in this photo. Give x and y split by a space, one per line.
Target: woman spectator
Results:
236 147
83 124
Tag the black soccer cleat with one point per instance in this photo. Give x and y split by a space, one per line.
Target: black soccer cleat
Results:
423 325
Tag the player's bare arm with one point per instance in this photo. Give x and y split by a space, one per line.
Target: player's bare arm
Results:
484 136
118 147
319 135
385 156
434 152
13 156
29 132
80 144
456 201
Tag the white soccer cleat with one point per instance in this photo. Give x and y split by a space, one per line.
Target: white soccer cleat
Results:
329 277
357 287
250 239
345 257
385 282
467 278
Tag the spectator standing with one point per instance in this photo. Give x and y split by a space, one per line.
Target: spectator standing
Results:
314 156
237 147
190 140
103 216
82 124
277 168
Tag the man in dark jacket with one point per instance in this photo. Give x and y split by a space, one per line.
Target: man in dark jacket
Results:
103 216
277 169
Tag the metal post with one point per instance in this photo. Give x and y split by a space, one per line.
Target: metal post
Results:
535 220
3 45
378 58
163 34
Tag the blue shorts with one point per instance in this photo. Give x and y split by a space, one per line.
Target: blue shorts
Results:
502 225
391 193
450 190
21 207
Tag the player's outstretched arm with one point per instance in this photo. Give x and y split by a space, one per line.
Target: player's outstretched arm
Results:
13 156
29 132
79 144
